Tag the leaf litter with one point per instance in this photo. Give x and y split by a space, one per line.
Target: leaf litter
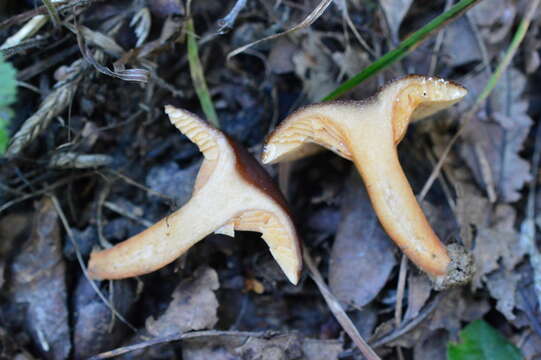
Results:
78 128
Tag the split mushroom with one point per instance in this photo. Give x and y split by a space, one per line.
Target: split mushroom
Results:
367 133
232 192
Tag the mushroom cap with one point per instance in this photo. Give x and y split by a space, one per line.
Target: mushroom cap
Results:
408 99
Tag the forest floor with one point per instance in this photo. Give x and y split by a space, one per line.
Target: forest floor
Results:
92 159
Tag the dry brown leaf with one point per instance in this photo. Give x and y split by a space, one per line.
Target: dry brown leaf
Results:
503 286
456 307
419 288
496 139
280 59
494 18
194 306
92 331
362 256
395 11
315 67
280 347
497 249
432 348
460 46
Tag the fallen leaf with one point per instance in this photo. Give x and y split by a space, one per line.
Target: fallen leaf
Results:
502 286
281 56
278 347
494 19
395 11
170 180
93 331
492 142
433 347
531 346
460 46
194 306
457 305
315 67
38 273
362 256
419 288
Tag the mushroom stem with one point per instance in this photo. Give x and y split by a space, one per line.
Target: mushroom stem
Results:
394 202
160 244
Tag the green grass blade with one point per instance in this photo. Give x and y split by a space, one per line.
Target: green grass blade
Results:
405 47
198 77
8 93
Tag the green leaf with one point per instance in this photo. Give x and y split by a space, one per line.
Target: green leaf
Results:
480 341
8 93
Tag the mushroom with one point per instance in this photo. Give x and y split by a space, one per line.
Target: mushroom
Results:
231 192
367 133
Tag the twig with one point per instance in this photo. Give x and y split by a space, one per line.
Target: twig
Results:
178 337
408 326
438 44
45 190
313 16
121 211
82 264
400 290
337 310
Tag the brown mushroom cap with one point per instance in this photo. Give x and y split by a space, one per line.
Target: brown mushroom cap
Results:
232 191
367 133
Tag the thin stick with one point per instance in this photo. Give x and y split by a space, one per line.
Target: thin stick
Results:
82 264
178 337
337 310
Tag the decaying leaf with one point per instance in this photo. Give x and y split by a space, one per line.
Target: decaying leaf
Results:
37 282
419 288
493 140
94 329
458 305
315 67
193 307
363 255
280 347
395 11
460 45
497 247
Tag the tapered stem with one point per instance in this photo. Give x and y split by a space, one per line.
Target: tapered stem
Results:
394 202
161 243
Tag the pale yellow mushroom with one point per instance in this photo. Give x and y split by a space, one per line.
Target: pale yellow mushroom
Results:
367 133
232 192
